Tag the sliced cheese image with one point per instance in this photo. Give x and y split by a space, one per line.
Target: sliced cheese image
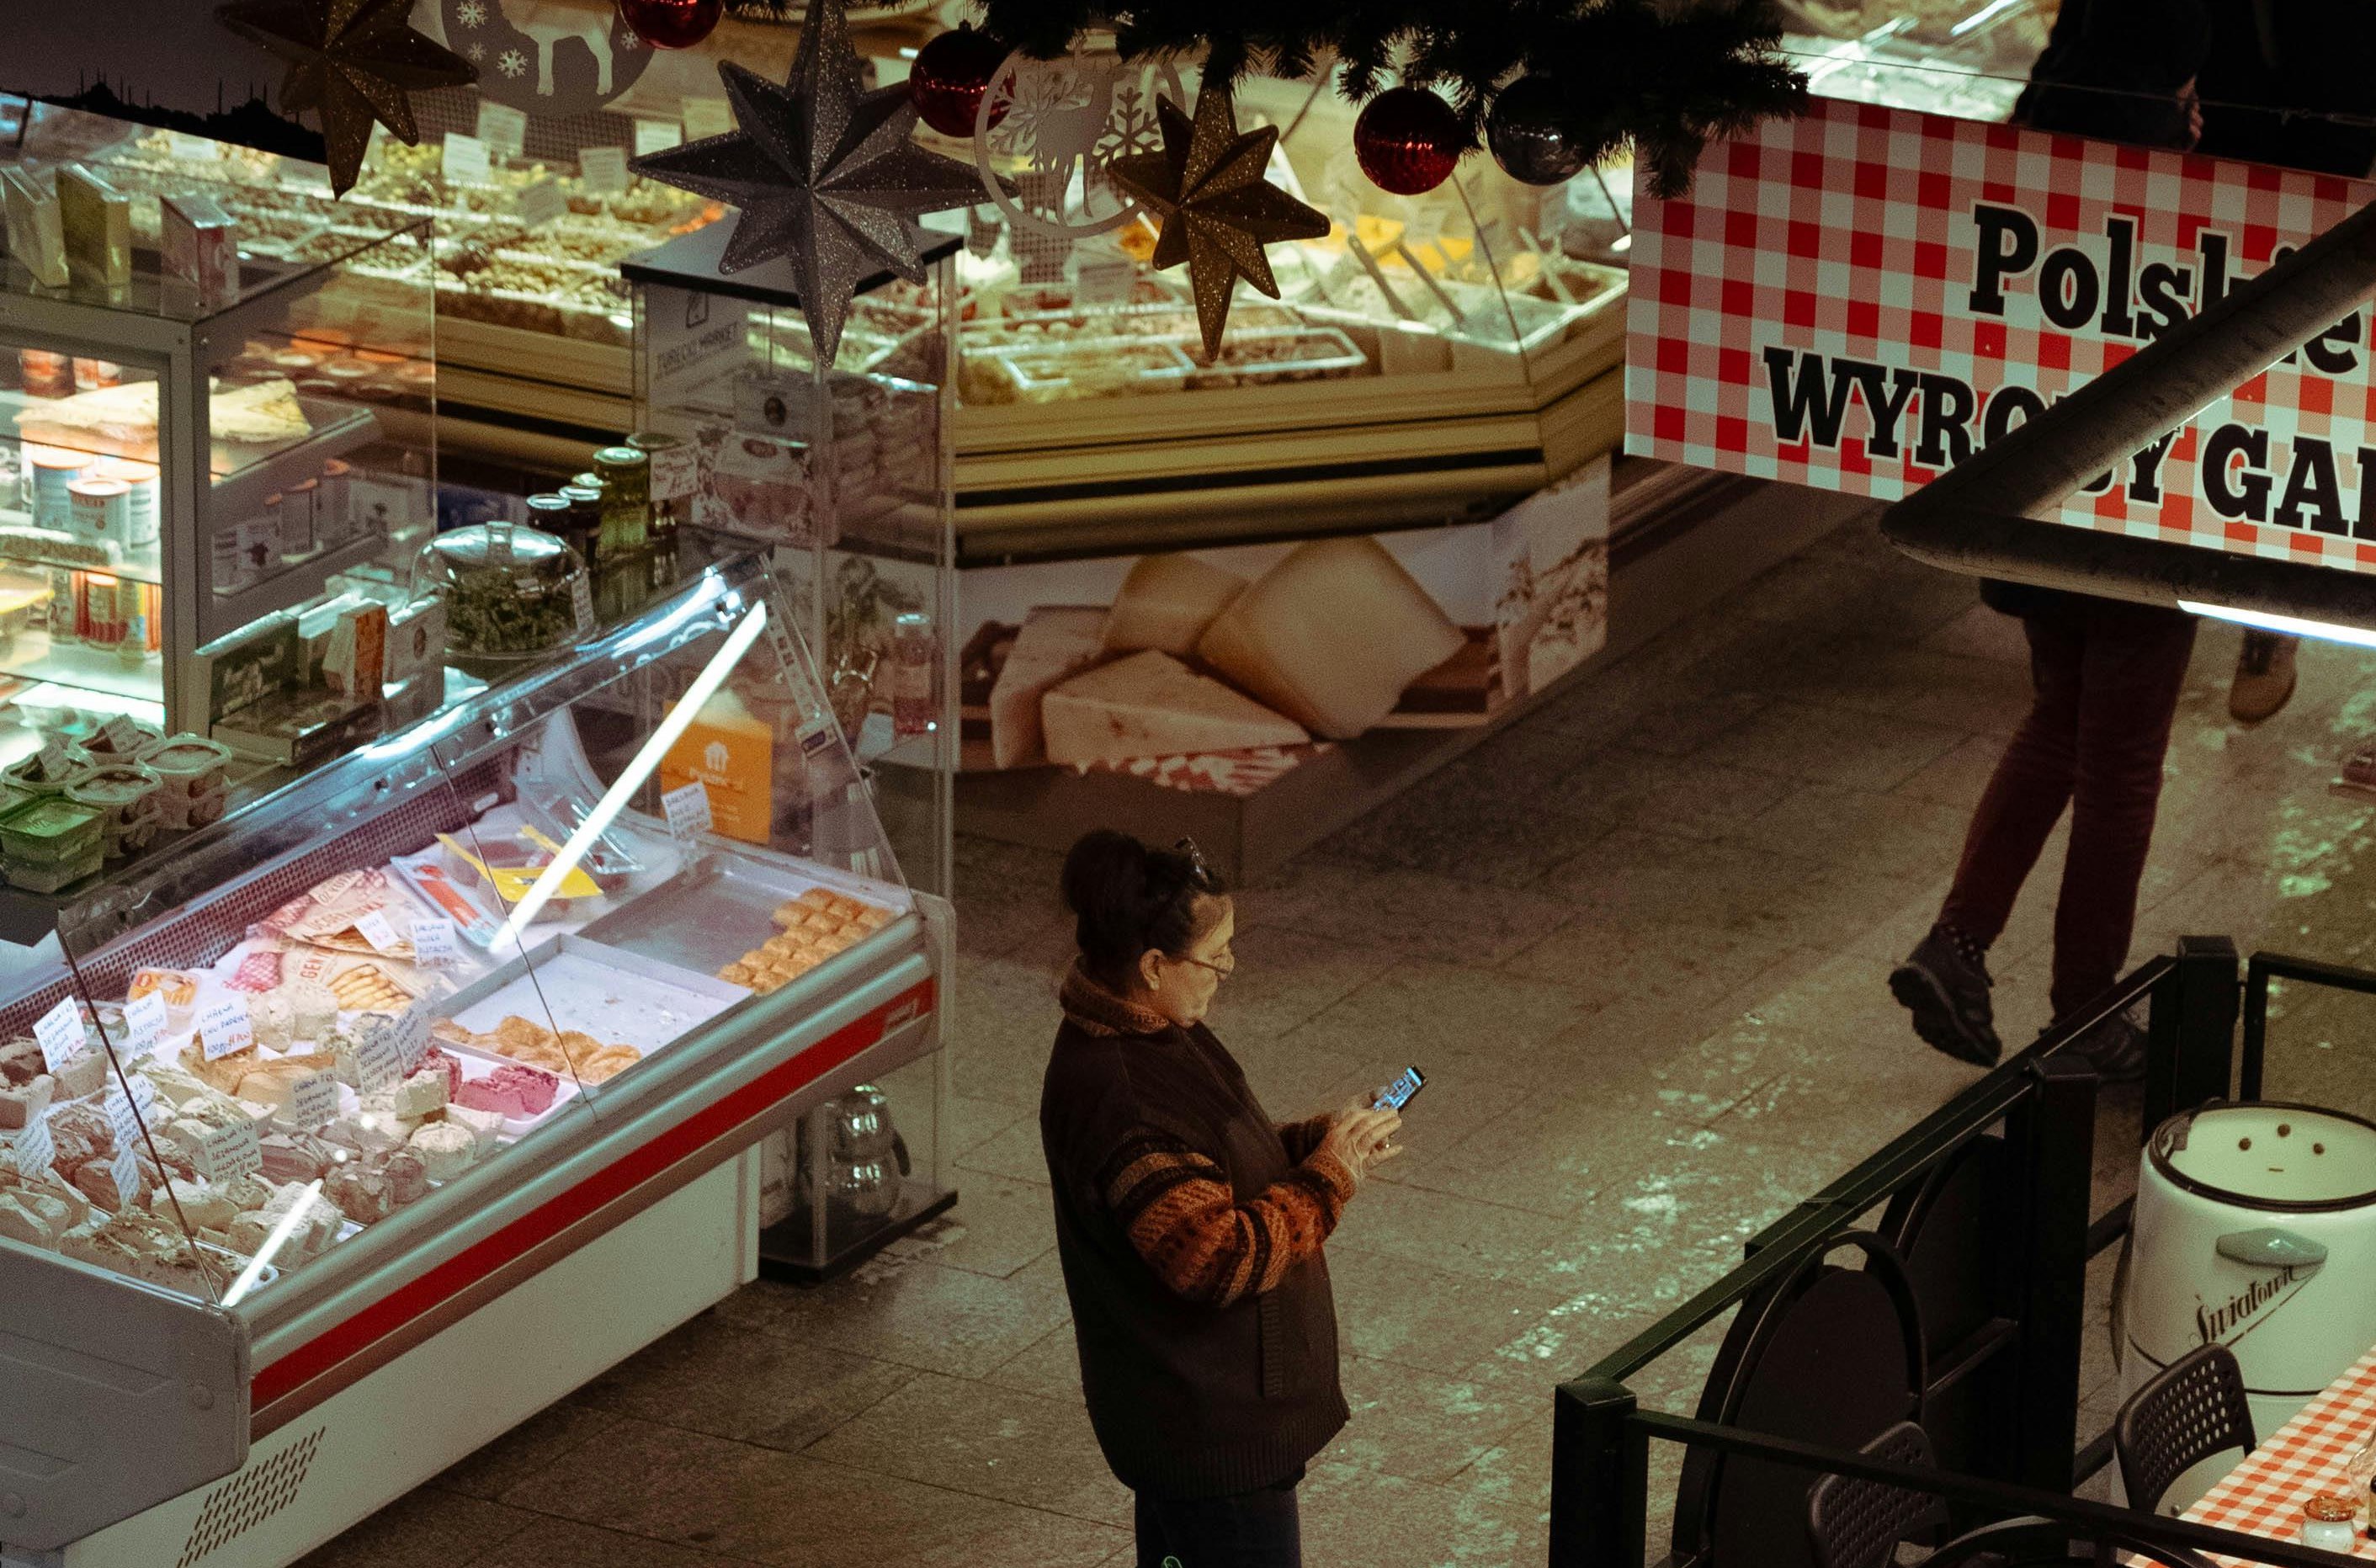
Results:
1151 704
1056 641
1331 635
1167 601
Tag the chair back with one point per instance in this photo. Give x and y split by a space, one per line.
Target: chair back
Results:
2192 1409
1854 1523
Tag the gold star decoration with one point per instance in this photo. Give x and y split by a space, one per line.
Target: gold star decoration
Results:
1217 211
353 63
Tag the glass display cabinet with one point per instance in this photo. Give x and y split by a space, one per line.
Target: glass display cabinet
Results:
341 1142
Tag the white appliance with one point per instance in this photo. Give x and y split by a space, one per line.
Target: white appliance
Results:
2255 1228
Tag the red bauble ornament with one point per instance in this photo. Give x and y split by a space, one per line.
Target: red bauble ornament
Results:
949 76
1408 141
672 24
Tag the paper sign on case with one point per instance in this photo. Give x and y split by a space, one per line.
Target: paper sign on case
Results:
687 807
314 1101
436 945
231 1152
604 170
503 128
33 1148
144 1023
60 1032
223 1028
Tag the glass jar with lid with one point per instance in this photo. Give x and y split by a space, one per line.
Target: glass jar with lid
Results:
511 594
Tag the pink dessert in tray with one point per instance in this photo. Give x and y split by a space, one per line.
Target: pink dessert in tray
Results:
514 1090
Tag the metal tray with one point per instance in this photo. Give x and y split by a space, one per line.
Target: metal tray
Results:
577 985
716 909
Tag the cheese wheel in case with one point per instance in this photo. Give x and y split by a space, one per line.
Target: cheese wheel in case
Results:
1331 635
1167 601
1151 704
1056 641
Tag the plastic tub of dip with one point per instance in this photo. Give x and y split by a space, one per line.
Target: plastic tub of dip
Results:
28 777
144 737
120 791
48 879
129 837
48 830
188 764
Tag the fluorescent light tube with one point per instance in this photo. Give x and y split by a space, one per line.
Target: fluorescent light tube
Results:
2292 625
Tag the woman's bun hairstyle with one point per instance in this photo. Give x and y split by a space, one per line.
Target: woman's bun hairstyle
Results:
1127 898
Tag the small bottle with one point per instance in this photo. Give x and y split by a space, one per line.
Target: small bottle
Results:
913 650
2326 1522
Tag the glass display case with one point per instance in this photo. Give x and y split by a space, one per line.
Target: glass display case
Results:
465 995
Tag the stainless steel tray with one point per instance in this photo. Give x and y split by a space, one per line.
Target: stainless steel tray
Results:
718 907
564 995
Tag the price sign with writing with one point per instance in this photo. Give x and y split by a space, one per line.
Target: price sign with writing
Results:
54 756
376 929
223 1028
34 1149
314 1101
706 117
60 1032
122 735
231 1152
503 128
466 160
687 807
657 135
409 1032
604 170
377 1065
144 1023
122 1118
435 944
541 205
125 1169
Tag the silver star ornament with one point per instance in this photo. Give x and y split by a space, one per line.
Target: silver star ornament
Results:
825 173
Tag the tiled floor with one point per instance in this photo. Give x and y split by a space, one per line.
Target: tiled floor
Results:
1638 942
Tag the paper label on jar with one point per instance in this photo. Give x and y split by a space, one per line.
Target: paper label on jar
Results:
503 128
541 205
436 945
466 160
706 117
687 808
60 1032
231 1152
223 1028
657 135
33 1148
676 473
314 1101
144 1023
604 170
581 602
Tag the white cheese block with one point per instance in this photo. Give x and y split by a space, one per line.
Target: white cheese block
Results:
1331 635
1056 641
1167 601
1151 704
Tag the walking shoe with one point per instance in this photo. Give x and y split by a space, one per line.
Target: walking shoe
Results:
1944 983
2264 677
2115 1048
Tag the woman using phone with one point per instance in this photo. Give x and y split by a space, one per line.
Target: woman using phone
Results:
1188 1222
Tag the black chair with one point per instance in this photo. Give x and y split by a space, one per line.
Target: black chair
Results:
1853 1523
2193 1408
2043 1543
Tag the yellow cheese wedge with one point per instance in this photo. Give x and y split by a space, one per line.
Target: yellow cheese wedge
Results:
1331 635
1056 641
1151 704
1167 601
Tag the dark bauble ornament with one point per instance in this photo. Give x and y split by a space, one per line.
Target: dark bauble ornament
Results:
949 77
1524 131
1408 141
672 24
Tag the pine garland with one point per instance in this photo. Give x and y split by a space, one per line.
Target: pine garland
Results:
1663 77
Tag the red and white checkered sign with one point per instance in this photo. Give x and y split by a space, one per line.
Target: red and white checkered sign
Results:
1858 298
2264 1495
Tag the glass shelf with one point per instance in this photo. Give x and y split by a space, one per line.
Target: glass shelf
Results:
140 564
29 656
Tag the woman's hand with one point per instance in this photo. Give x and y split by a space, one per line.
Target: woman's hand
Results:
1357 1137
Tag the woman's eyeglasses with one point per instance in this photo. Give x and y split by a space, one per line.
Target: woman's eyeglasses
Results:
1226 966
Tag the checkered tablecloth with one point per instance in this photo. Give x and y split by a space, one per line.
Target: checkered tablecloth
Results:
2264 1494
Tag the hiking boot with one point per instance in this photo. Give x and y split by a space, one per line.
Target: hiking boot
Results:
1945 985
2115 1048
2264 677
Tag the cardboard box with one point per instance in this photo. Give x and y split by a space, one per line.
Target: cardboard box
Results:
732 753
201 247
300 728
97 220
250 665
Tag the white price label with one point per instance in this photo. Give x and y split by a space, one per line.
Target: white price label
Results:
186 146
409 1033
676 473
434 943
144 1025
125 1169
223 1028
376 929
231 1152
377 1065
541 205
60 1032
604 170
706 117
581 603
54 756
466 160
503 128
687 806
122 735
123 1119
657 135
33 1148
314 1102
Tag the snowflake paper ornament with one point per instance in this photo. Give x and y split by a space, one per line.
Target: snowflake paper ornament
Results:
513 64
470 14
825 173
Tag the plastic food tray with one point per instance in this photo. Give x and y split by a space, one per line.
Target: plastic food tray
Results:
575 982
719 907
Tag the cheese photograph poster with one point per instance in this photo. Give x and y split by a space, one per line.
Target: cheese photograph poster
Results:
1255 652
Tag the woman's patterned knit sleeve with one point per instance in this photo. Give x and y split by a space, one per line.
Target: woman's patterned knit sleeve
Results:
1179 1211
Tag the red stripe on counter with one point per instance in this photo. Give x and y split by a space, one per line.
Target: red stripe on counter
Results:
539 1225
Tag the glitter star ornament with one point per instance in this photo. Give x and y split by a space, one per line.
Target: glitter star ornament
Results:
825 172
1216 210
354 63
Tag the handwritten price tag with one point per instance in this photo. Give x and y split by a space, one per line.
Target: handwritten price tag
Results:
122 735
435 944
377 1063
314 1101
377 930
409 1031
34 1149
706 117
687 807
541 205
503 128
54 756
604 170
657 135
124 1118
60 1032
466 160
125 1169
144 1025
223 1028
230 1153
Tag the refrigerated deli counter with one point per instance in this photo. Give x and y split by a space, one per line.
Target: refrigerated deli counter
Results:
353 1131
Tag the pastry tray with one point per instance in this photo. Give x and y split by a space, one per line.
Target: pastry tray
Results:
574 982
718 907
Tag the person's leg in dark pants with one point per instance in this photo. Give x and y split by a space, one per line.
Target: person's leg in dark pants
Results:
1944 982
1250 1529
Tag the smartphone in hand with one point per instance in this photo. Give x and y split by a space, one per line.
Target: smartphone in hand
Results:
1399 1093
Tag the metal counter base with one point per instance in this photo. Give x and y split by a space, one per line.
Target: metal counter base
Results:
463 1388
